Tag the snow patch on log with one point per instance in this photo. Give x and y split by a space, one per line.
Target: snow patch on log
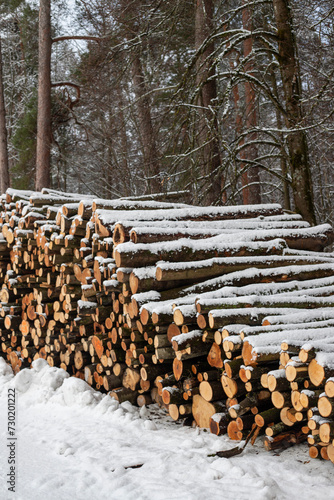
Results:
86 304
185 337
302 316
325 359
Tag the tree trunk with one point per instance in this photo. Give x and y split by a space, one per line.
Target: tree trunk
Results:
250 179
207 132
44 132
297 141
130 16
283 162
124 163
238 111
147 138
4 170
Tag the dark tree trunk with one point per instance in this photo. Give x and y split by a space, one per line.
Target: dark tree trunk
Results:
284 166
238 126
126 177
147 136
4 169
130 17
44 132
207 135
250 180
297 142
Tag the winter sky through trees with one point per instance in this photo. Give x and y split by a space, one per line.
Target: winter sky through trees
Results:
175 95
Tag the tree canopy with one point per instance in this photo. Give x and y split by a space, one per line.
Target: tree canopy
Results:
232 100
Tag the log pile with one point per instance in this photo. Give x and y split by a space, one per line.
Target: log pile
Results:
222 315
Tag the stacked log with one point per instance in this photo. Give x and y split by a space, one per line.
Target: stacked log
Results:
222 315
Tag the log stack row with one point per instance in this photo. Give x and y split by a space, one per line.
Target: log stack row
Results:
222 315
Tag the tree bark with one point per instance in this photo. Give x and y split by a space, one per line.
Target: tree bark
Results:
4 170
124 163
250 179
283 162
130 18
44 131
207 132
147 138
297 141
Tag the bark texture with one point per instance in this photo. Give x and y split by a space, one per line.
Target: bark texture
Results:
147 137
207 135
297 141
4 170
251 178
44 131
130 16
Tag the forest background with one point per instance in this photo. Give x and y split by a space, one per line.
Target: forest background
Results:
231 99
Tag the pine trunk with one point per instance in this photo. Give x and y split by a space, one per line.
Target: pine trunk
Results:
44 131
207 132
4 171
296 139
250 178
148 142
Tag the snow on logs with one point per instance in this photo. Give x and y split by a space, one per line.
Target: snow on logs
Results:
222 315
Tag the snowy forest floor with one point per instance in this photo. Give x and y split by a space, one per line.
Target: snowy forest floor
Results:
75 443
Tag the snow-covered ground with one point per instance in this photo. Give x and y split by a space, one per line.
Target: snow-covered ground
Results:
75 443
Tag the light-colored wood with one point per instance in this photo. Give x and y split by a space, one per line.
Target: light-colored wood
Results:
232 387
329 388
211 391
280 399
330 452
203 410
216 356
131 379
326 431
